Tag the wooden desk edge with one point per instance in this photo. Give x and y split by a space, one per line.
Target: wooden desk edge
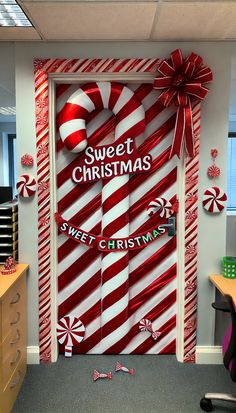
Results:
6 281
225 285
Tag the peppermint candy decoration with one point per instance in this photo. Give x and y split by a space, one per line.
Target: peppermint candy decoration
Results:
119 367
97 375
70 331
214 200
160 206
27 160
213 171
214 153
26 186
146 325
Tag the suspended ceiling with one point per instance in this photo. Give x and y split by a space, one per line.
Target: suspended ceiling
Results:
160 20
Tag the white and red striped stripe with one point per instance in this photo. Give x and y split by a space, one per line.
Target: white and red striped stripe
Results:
191 243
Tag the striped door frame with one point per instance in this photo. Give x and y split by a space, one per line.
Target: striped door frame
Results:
48 72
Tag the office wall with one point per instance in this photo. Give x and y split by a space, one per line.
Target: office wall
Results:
212 229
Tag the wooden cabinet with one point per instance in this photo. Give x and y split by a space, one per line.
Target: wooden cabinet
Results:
8 231
12 336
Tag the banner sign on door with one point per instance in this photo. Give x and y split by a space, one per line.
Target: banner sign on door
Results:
132 242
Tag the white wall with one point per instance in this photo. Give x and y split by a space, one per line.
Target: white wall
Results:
212 229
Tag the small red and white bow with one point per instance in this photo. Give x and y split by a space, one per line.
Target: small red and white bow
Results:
97 375
146 325
123 368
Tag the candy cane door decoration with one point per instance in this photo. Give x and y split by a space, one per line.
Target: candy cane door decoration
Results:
106 192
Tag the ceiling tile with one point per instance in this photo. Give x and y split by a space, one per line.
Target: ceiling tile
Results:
92 21
18 33
198 21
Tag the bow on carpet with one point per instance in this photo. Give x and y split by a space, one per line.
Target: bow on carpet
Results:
182 82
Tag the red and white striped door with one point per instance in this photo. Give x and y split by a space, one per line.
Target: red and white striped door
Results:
111 293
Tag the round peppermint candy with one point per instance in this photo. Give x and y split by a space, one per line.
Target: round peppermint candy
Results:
26 186
214 200
70 330
160 206
213 171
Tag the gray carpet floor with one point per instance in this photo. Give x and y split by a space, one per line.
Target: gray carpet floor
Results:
160 384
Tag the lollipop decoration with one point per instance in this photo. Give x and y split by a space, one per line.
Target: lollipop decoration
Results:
146 325
160 206
214 200
70 331
27 160
26 186
97 375
213 171
9 266
119 367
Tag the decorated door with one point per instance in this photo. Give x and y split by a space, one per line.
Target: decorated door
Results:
118 131
116 261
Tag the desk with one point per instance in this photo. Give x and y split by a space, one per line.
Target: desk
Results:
226 286
13 336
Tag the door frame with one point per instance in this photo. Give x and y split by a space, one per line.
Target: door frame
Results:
48 73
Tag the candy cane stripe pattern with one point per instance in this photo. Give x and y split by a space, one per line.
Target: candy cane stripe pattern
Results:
130 121
160 206
214 200
26 186
70 331
101 95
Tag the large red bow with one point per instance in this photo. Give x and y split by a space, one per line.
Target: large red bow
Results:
183 83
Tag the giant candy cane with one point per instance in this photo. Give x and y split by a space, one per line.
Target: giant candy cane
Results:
130 122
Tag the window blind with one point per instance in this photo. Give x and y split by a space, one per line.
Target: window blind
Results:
231 192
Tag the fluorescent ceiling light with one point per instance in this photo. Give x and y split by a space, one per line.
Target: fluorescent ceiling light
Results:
12 15
8 110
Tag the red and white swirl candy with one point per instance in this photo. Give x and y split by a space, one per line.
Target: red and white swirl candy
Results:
119 367
97 375
70 331
27 160
146 325
213 171
98 95
214 200
26 185
160 206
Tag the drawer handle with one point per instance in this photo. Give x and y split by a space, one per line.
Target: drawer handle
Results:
17 299
16 381
17 338
16 320
17 358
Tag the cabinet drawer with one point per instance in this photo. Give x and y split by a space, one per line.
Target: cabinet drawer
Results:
14 307
13 349
10 393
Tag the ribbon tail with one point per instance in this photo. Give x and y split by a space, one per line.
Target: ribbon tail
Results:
189 133
178 133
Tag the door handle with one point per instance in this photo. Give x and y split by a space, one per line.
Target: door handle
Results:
171 226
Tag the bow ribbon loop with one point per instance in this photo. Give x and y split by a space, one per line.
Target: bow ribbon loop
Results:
183 83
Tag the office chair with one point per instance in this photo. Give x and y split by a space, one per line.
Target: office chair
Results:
229 359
